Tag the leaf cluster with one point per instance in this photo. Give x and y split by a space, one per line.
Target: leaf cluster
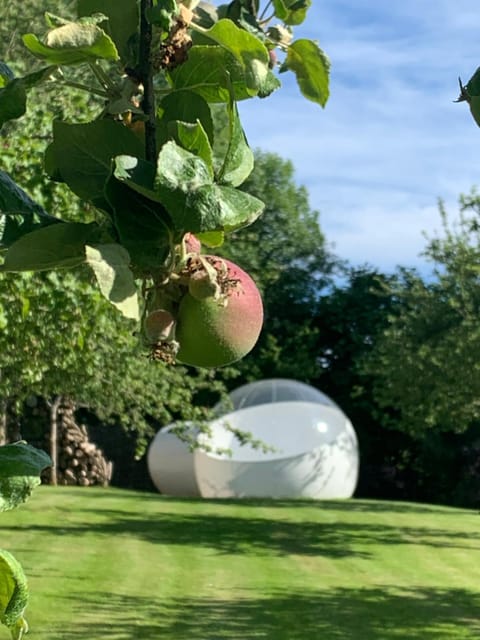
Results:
145 203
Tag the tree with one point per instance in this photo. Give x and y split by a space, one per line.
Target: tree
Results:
426 363
60 339
350 317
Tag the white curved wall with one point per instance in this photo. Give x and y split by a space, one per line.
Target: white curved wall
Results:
315 454
171 465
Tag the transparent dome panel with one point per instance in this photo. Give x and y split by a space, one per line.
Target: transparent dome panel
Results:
271 391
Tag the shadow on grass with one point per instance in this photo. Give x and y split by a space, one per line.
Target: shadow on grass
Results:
336 614
227 534
351 505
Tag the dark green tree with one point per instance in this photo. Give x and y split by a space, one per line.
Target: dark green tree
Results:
427 361
424 368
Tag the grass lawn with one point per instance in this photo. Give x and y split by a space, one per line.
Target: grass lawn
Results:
109 564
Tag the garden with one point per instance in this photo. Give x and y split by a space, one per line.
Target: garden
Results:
151 262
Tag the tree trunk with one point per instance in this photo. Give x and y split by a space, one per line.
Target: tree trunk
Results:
54 407
3 422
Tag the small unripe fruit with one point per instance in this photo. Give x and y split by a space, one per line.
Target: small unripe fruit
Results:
214 333
192 243
158 325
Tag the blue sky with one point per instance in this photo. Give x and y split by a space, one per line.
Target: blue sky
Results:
390 141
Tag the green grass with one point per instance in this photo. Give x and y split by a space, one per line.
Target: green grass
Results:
109 564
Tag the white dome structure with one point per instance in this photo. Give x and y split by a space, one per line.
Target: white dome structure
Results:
312 453
170 463
307 448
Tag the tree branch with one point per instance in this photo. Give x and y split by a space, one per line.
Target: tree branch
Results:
146 75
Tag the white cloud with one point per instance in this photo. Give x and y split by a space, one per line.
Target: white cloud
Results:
391 140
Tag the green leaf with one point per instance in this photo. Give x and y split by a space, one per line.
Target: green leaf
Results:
110 263
13 595
311 67
474 104
211 239
237 208
246 48
473 85
20 468
72 43
21 459
244 13
239 160
82 155
185 106
138 173
180 173
19 214
56 246
14 225
143 226
185 187
291 11
216 208
13 198
122 24
13 95
193 138
13 102
178 169
208 70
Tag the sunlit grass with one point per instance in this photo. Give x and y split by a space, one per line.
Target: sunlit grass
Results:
113 564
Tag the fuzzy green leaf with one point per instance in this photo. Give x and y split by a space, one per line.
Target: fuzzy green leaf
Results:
180 170
122 24
247 50
193 138
184 186
72 43
207 72
239 160
52 247
110 263
237 208
311 67
13 595
82 154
